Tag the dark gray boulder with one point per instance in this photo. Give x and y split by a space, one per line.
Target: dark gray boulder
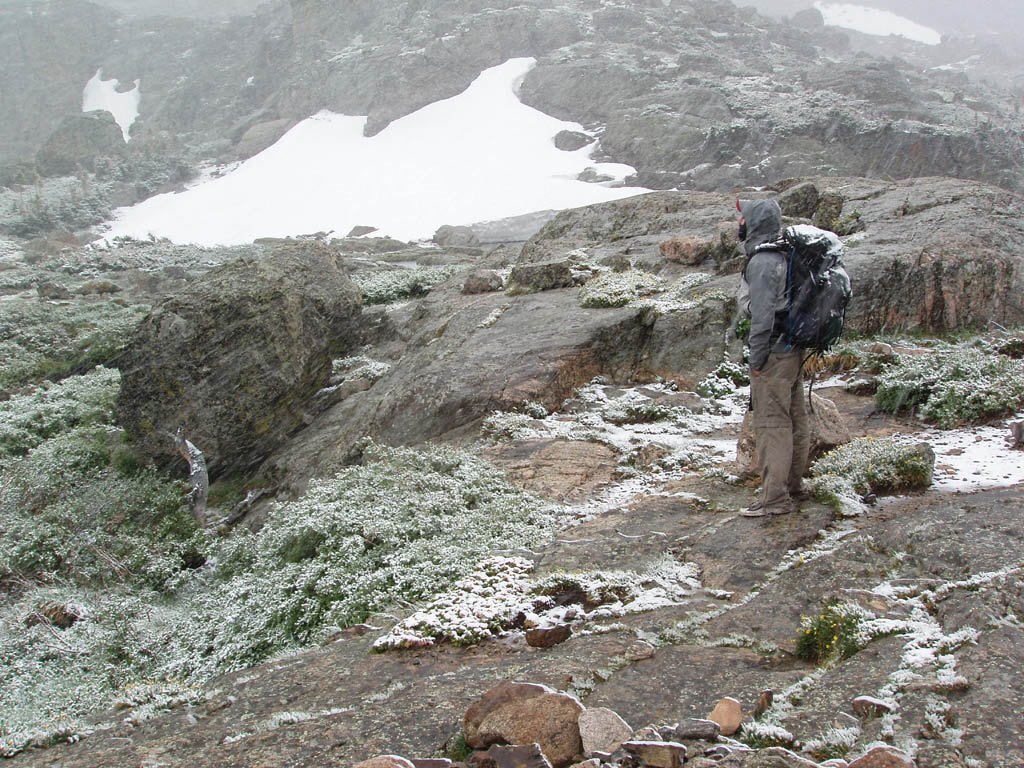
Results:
570 141
235 359
482 281
460 237
77 143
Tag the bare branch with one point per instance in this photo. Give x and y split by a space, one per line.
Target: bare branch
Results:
197 476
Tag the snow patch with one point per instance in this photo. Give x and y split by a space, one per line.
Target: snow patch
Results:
479 156
103 94
874 21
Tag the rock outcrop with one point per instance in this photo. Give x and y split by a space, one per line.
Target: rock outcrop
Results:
78 142
668 88
236 359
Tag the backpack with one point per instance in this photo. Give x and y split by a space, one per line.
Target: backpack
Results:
817 286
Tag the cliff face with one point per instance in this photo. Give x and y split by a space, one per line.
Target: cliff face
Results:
693 94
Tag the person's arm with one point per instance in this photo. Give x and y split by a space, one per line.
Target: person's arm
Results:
763 275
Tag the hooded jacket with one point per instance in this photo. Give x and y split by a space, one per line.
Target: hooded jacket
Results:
762 294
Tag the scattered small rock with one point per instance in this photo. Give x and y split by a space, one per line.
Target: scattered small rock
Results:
884 352
800 201
685 250
545 276
647 733
698 729
764 701
431 762
602 730
385 761
639 649
869 706
545 637
459 237
570 141
883 757
482 281
780 756
519 756
98 287
728 714
658 754
360 230
49 291
522 713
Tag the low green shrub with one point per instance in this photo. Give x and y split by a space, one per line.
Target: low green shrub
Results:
54 341
399 529
385 287
953 385
29 419
843 476
617 289
724 380
833 634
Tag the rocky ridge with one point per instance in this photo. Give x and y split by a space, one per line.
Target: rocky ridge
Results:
672 601
699 95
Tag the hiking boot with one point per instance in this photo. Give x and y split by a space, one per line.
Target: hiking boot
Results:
758 509
799 494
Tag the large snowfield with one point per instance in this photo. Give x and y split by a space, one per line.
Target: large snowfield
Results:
874 21
479 156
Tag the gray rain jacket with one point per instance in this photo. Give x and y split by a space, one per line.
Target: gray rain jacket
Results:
762 294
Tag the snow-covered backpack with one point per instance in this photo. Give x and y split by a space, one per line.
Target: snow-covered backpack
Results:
817 286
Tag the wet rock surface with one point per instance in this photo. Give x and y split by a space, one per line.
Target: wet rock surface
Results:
234 360
938 574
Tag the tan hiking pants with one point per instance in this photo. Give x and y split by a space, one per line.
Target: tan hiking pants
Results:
780 426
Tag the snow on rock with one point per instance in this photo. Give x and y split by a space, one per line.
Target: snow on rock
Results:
974 458
103 94
874 21
478 156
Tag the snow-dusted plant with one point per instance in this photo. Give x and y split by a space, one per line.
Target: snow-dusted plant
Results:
835 633
483 604
26 420
761 735
724 380
359 367
846 474
953 385
834 742
385 287
617 289
56 340
488 602
396 530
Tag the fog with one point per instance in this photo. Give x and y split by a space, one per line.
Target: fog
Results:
1004 18
183 8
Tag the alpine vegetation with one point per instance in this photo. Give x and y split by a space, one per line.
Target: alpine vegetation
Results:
398 284
109 573
846 475
954 385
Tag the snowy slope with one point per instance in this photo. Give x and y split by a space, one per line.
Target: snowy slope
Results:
479 156
874 21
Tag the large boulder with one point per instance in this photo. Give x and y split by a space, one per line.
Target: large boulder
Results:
235 359
78 141
523 713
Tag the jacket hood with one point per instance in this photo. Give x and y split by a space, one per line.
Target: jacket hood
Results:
764 220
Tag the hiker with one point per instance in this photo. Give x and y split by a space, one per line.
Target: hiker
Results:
776 370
